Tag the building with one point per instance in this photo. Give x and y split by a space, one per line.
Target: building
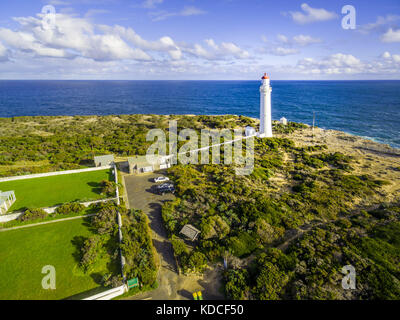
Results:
140 164
249 131
265 108
6 200
283 121
189 231
106 160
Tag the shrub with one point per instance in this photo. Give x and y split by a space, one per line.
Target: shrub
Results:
33 214
108 188
90 252
236 283
68 208
105 221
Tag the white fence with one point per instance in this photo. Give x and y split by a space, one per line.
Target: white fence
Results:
56 173
109 294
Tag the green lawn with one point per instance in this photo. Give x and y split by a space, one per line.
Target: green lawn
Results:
24 252
55 190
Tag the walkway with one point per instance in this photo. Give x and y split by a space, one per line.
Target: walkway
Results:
47 222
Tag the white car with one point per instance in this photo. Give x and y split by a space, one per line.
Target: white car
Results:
161 179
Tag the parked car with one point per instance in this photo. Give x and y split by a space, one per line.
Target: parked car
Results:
161 179
165 187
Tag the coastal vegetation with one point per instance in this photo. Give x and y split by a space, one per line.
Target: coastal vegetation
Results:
283 226
42 144
284 232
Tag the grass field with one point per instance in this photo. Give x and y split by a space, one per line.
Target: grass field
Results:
55 190
24 252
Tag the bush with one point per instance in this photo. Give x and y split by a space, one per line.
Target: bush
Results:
68 208
105 221
90 252
108 188
33 214
195 262
236 283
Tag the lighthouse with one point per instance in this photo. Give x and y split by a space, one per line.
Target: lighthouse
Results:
265 108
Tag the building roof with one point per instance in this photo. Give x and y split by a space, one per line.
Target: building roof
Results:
141 161
189 231
104 158
265 76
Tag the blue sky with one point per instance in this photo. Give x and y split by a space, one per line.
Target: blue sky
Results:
199 39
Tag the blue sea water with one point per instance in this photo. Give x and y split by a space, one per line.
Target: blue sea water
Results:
365 108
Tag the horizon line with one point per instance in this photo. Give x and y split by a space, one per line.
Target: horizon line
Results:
198 79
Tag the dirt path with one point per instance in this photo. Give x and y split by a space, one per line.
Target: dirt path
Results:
46 222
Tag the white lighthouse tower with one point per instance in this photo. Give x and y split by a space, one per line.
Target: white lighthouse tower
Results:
265 108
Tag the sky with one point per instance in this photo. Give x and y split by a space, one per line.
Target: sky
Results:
199 39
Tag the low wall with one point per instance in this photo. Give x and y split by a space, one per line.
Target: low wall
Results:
56 173
109 294
10 217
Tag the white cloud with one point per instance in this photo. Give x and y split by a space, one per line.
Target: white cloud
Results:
3 53
380 23
71 37
285 46
304 40
338 63
310 15
185 12
281 51
217 52
282 38
74 38
58 3
150 4
391 36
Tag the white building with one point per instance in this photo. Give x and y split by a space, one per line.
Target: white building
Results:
6 200
106 160
265 108
250 131
283 121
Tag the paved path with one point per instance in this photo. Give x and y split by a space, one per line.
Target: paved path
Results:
47 222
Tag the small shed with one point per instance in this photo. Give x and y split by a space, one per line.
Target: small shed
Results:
283 121
250 131
189 231
105 160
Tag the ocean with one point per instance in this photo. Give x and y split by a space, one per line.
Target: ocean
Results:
369 109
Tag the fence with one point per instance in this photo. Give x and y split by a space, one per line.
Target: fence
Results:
109 294
56 173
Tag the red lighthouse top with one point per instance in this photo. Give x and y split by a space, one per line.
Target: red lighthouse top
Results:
265 76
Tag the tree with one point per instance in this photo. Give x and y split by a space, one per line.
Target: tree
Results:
236 283
270 281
